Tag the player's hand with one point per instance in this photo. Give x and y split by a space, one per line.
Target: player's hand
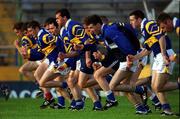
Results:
78 46
24 52
173 58
130 59
17 42
96 65
61 56
88 62
166 59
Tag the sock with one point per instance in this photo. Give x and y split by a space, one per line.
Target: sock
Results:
166 106
79 103
140 107
110 95
63 85
154 99
97 104
139 89
61 101
73 103
48 96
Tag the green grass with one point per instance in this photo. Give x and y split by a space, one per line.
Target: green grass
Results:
29 109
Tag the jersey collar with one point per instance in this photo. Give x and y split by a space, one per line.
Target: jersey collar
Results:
67 23
102 27
142 23
174 21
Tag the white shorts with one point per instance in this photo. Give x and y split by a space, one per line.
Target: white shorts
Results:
78 65
123 66
38 62
53 66
46 61
159 64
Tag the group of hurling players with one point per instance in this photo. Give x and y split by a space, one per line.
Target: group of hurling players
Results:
99 55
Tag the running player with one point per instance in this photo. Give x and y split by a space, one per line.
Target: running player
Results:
162 66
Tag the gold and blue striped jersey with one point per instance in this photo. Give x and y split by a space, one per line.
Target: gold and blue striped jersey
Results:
75 32
65 39
151 33
28 42
46 41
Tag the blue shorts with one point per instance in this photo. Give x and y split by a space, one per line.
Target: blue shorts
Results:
83 67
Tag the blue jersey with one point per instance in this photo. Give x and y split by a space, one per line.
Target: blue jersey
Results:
60 44
75 32
46 41
52 56
176 22
151 33
28 42
116 34
65 39
34 54
59 47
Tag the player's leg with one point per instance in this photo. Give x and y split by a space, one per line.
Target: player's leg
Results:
83 78
75 90
27 69
100 77
48 98
62 95
157 82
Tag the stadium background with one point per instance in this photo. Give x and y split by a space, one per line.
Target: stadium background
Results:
12 11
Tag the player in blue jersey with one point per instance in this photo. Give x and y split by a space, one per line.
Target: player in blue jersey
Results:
61 92
62 18
162 66
75 33
29 42
44 39
122 38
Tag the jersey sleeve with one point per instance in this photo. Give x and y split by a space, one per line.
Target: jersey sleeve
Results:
80 36
35 54
47 38
154 30
26 42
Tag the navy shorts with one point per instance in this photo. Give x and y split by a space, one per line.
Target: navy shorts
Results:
83 67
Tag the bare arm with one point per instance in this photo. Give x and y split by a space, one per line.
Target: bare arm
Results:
61 55
162 43
88 59
17 46
144 52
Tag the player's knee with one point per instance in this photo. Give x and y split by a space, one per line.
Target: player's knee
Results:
70 83
156 88
97 75
22 71
80 84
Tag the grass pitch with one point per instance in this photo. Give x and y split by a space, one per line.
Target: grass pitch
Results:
29 109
